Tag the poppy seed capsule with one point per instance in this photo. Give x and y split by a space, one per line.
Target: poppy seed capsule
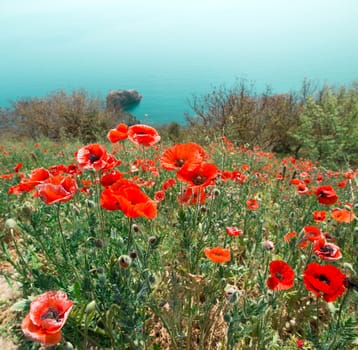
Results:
125 261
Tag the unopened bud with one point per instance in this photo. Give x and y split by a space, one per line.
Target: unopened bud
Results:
268 245
68 346
135 228
153 241
91 306
227 318
125 261
11 224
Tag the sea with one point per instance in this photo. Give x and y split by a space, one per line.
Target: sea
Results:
172 51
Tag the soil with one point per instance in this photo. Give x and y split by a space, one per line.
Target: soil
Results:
8 295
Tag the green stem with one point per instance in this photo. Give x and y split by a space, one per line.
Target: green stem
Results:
64 243
130 235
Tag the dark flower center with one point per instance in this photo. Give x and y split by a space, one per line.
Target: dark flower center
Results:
323 278
199 179
52 314
279 276
326 249
93 158
179 162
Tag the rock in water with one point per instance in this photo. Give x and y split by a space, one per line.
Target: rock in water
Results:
119 100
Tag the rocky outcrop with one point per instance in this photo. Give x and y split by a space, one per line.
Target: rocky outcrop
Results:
119 100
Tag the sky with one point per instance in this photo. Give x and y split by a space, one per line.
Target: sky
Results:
52 44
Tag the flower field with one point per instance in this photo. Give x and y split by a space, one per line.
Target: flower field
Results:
136 244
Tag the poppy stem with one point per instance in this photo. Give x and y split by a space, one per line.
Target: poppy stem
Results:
65 249
130 234
317 315
341 308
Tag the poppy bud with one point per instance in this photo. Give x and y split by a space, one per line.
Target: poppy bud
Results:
27 209
100 270
68 346
153 241
11 224
227 318
135 228
216 192
351 282
90 204
125 261
91 306
133 255
268 245
99 243
203 209
75 209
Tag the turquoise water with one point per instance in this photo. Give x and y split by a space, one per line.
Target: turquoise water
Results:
171 50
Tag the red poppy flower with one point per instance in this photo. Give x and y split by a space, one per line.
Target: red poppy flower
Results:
128 198
57 189
233 231
192 196
110 178
288 236
326 251
302 188
282 276
218 254
188 154
17 167
326 281
117 134
238 176
48 314
202 175
144 135
300 343
312 233
36 177
93 156
342 184
57 169
159 196
319 216
343 215
252 204
168 184
326 195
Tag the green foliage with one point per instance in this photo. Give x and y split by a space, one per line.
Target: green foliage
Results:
328 128
60 116
321 124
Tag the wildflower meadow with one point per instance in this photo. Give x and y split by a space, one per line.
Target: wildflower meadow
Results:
135 243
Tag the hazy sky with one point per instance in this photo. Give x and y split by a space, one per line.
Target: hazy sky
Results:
48 44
